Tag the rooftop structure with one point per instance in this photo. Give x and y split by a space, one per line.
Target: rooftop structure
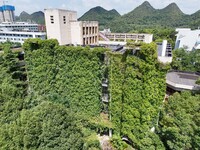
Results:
187 39
7 13
137 37
63 26
181 80
164 52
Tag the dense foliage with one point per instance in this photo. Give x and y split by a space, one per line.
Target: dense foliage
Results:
137 89
68 75
186 61
180 122
34 120
53 100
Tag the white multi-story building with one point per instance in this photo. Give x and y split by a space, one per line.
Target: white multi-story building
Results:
7 13
16 31
63 26
19 32
19 36
187 39
19 26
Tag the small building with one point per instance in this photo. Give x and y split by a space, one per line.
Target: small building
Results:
187 39
182 80
63 26
164 52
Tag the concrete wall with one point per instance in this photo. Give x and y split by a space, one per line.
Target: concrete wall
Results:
76 33
8 16
58 24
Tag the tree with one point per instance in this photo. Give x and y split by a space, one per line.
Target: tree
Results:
137 88
179 122
186 61
46 126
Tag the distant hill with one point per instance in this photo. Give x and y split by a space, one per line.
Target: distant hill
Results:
36 17
143 16
101 15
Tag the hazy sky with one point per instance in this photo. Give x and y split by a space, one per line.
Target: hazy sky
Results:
81 6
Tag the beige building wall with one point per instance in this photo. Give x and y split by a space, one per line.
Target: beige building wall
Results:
58 24
63 26
76 33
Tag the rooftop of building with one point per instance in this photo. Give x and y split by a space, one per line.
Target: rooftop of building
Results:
7 7
187 30
58 9
183 80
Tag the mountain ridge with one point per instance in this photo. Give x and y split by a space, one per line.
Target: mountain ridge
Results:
36 17
100 14
143 16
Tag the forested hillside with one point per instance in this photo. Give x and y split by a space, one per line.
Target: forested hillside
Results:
145 16
101 15
142 17
36 17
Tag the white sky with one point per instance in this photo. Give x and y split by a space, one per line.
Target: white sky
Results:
81 6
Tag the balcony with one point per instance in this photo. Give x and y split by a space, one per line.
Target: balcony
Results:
105 98
105 83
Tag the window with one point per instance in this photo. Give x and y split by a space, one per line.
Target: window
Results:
64 19
52 19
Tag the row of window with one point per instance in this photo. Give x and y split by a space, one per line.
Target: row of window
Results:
20 26
11 39
89 30
18 35
90 40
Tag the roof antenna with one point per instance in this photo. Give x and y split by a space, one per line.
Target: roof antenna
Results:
4 2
